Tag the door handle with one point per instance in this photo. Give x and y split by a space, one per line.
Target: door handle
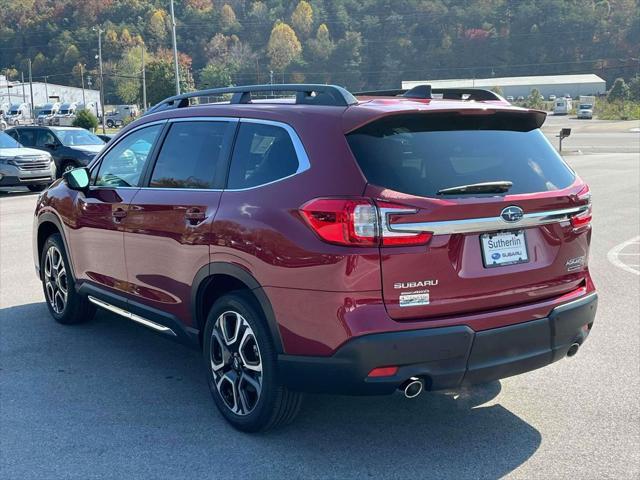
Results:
119 214
194 216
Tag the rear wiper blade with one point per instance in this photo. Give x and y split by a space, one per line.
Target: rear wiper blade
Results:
485 187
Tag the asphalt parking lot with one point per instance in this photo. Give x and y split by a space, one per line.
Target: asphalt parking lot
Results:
110 399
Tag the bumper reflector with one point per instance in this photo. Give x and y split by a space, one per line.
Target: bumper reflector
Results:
383 372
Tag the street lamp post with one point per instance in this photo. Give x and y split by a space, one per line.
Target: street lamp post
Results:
100 32
175 49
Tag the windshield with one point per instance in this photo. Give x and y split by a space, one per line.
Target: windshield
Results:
422 156
13 112
585 106
7 142
64 112
45 112
70 138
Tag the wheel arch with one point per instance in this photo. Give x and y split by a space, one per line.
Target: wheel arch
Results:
218 278
49 224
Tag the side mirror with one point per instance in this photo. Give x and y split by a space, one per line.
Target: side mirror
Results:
77 179
52 146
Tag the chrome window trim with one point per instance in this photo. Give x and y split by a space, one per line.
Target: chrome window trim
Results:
303 159
131 316
488 224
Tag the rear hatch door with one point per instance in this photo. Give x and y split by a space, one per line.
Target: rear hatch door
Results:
497 199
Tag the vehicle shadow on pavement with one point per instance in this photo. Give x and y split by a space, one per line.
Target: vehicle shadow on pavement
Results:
112 399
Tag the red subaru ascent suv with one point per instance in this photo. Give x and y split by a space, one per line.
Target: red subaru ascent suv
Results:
319 242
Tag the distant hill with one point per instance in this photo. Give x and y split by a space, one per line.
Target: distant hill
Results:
357 43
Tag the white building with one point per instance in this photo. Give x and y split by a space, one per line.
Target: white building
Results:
559 85
17 92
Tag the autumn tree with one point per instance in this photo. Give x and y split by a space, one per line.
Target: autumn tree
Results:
302 18
228 20
283 47
158 27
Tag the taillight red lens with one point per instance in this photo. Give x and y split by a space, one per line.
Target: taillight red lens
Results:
358 222
582 219
392 236
343 221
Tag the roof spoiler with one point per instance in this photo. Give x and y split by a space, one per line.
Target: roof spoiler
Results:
306 94
426 92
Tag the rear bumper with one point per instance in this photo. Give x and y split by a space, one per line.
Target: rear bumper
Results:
445 357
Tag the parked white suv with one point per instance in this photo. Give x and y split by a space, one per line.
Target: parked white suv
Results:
24 167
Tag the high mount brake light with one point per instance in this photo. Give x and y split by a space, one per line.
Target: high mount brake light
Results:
359 222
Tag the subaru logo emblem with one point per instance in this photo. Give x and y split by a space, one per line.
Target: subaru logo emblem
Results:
512 214
495 256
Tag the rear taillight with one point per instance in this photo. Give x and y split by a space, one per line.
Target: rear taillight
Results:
343 221
583 219
359 222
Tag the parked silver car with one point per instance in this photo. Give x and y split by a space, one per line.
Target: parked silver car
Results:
24 167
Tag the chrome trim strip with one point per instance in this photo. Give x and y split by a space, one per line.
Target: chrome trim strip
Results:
577 300
131 316
488 224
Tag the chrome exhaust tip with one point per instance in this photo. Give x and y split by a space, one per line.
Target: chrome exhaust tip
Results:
573 349
412 387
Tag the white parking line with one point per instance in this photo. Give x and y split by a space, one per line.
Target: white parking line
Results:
615 252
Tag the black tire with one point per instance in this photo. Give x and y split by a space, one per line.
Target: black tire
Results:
275 405
36 188
110 123
70 307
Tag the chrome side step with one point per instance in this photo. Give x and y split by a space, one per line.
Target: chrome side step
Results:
131 316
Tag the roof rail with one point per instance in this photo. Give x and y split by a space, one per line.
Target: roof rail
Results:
306 94
425 92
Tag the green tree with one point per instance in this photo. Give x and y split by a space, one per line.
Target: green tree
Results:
619 91
85 119
302 18
215 75
283 47
534 100
634 89
129 79
321 46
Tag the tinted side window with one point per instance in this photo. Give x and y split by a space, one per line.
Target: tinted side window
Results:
45 137
262 154
26 136
190 155
122 166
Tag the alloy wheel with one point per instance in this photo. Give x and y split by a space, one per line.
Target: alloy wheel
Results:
55 280
236 363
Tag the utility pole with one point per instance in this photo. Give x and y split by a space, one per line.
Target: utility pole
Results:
144 83
31 91
84 102
46 89
24 96
175 49
100 31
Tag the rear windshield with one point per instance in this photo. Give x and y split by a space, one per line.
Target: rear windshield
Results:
420 155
